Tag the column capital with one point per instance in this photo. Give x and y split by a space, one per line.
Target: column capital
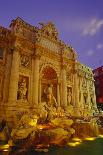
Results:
59 81
40 77
64 66
14 49
37 53
74 71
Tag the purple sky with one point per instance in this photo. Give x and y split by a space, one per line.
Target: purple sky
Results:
79 22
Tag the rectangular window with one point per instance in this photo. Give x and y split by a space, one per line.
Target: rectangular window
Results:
1 53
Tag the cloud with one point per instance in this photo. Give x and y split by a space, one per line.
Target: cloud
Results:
90 52
99 46
73 24
93 27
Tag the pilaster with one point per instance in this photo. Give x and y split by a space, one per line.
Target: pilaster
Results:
14 77
40 90
7 76
94 93
58 93
35 64
64 86
89 99
75 90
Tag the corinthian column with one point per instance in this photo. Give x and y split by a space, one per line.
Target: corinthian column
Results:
40 90
94 93
14 77
89 98
58 94
64 87
81 91
75 90
7 76
36 78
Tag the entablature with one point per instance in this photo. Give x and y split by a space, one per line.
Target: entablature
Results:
25 46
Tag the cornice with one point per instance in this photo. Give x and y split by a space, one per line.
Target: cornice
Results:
47 53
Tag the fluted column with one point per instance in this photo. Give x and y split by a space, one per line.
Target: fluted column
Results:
36 78
81 90
89 98
73 93
40 90
58 94
7 77
61 98
64 87
76 90
94 93
14 77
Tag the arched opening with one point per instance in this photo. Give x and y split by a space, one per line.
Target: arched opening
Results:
49 76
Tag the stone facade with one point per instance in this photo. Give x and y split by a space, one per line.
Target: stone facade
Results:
33 58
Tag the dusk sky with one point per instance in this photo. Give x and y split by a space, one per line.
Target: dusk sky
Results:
79 23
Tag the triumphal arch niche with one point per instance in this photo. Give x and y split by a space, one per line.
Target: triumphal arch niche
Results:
37 67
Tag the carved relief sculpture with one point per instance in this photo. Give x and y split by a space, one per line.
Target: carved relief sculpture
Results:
25 61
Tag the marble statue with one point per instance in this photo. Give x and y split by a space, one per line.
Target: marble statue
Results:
22 89
69 97
51 100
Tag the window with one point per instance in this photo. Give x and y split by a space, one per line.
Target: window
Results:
1 53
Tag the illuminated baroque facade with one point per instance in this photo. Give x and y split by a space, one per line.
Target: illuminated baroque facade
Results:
37 67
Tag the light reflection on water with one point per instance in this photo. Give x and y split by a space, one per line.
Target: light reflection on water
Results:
84 148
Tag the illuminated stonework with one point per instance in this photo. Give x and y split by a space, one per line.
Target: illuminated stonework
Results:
34 58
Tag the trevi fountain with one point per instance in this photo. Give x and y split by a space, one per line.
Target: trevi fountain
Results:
47 97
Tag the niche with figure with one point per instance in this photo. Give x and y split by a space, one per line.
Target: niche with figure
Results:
91 100
48 94
23 88
85 96
69 95
49 76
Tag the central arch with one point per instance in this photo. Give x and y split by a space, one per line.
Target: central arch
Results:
49 76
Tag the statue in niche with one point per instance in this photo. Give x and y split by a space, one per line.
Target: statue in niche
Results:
22 89
69 96
85 98
50 99
86 104
92 101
